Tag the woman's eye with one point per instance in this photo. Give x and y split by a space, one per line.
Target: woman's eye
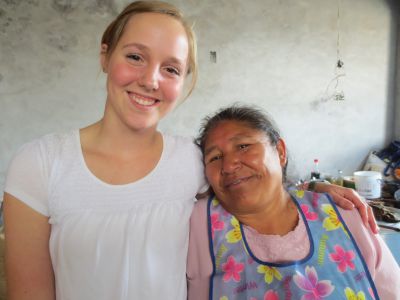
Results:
214 158
173 71
243 146
134 57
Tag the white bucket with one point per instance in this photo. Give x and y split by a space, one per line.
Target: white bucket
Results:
368 184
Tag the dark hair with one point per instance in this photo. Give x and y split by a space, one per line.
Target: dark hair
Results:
252 117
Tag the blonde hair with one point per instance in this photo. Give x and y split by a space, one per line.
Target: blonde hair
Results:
115 29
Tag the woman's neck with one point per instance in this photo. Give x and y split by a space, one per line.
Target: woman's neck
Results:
278 218
120 156
120 140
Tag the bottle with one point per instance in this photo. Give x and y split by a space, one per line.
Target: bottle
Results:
339 178
315 174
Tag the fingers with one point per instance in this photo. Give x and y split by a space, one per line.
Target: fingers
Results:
337 193
355 198
343 202
365 211
351 199
372 221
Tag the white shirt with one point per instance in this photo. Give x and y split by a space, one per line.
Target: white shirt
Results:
111 241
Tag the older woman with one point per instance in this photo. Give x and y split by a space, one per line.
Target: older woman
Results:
264 242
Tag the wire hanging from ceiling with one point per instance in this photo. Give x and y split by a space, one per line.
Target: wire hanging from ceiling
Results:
339 71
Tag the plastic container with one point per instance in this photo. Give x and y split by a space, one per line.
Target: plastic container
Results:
368 184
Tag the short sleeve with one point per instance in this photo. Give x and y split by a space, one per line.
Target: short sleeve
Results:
202 181
27 177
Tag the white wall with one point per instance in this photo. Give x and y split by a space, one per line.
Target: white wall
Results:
278 54
397 80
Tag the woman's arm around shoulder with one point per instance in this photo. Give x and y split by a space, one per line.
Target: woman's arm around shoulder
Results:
348 199
29 272
381 264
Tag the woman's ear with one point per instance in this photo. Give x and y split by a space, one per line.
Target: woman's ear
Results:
104 57
281 148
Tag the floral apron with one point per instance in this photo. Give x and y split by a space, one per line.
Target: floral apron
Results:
334 268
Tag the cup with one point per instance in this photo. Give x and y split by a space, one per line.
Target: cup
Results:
368 184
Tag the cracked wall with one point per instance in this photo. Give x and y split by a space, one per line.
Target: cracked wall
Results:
277 54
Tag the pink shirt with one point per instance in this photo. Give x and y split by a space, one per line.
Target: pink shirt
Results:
292 246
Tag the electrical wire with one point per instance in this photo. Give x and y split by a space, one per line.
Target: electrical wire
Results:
339 71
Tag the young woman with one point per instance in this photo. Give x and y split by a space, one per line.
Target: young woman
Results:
103 212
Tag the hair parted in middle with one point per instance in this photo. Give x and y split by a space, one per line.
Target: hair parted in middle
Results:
251 116
115 30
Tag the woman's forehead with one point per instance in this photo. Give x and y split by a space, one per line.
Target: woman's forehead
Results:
232 130
235 126
157 31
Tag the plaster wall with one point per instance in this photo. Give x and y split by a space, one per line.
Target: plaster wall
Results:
279 55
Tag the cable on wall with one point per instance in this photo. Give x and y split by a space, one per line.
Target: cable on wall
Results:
335 85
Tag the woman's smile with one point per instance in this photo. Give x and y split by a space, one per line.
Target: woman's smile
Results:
142 101
238 182
146 71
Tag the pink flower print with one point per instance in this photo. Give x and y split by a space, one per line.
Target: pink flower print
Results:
216 224
311 216
232 269
316 290
315 198
342 258
271 295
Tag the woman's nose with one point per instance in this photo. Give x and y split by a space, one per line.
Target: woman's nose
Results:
149 78
230 164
